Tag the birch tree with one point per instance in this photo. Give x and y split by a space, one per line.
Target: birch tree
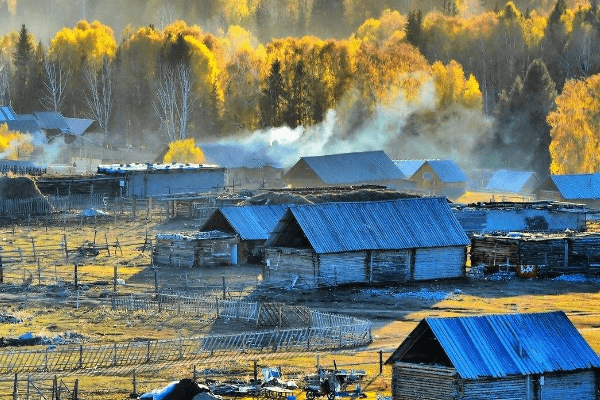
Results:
55 86
99 94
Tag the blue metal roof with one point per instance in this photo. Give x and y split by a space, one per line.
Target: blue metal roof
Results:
409 167
348 168
78 126
447 171
236 156
510 180
578 186
51 120
377 225
503 345
251 222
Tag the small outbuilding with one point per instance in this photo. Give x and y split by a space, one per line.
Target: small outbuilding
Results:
495 357
574 188
166 180
360 168
251 224
372 241
513 182
440 178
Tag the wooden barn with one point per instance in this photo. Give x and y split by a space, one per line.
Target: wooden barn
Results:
533 216
361 168
537 254
440 178
576 188
374 241
252 225
495 357
203 249
166 180
512 182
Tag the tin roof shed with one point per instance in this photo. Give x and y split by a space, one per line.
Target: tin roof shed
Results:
249 222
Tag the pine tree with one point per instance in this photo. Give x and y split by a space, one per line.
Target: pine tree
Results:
414 28
22 60
273 101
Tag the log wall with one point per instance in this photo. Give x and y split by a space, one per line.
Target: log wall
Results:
341 268
418 382
439 263
390 266
287 266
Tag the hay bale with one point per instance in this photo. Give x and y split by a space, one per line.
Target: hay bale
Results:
20 187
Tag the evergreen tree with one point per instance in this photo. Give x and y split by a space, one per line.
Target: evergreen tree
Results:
273 101
299 108
414 28
23 62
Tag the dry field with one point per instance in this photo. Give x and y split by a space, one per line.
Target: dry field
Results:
38 297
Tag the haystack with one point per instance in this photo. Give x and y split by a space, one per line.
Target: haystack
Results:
20 187
20 196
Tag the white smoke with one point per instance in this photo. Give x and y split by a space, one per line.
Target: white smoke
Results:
454 136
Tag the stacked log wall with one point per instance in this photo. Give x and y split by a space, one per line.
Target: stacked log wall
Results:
418 382
342 268
286 266
390 266
509 388
439 263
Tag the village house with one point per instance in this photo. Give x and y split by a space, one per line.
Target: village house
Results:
495 357
373 241
166 180
512 182
252 226
439 178
360 168
202 249
575 188
534 216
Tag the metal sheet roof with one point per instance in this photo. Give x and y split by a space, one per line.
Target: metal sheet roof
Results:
236 156
251 222
137 167
51 120
511 344
78 126
409 167
447 171
578 186
348 168
510 180
377 225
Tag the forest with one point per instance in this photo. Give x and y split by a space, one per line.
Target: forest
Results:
513 85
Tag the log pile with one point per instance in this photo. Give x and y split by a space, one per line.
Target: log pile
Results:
206 249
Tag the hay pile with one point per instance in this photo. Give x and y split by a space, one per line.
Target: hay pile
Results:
324 196
20 187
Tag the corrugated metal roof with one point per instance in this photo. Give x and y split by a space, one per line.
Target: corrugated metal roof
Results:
347 168
51 120
252 222
510 180
78 126
578 186
378 225
7 114
511 344
133 167
447 171
409 167
236 156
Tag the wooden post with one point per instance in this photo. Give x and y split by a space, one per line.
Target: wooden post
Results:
80 356
106 242
133 208
224 289
115 354
134 393
16 388
180 348
195 374
39 271
75 389
54 388
148 352
217 307
115 274
34 252
155 280
66 247
28 387
255 370
75 274
1 271
380 362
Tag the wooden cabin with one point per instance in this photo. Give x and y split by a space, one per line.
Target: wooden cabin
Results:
360 168
495 357
440 178
373 241
575 188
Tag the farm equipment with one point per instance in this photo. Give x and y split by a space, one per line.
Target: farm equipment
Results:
332 383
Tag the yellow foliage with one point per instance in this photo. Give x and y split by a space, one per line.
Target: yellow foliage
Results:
184 151
89 41
240 39
179 27
575 139
369 30
14 145
452 88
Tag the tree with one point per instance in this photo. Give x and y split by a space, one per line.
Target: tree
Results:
23 61
184 151
55 85
522 135
274 98
299 111
575 139
414 28
99 96
4 79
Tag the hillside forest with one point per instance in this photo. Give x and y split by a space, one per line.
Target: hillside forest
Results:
513 85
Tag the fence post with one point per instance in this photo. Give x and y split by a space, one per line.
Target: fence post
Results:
80 356
54 388
115 274
75 273
16 388
134 393
28 385
155 280
224 289
255 370
39 271
76 389
148 352
1 271
380 362
180 348
195 374
34 252
217 307
115 354
66 247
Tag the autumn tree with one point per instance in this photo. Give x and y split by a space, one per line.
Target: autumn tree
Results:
575 139
184 151
274 98
14 145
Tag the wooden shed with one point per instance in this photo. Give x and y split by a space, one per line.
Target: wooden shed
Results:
372 241
202 249
359 168
513 182
538 254
495 357
252 225
574 188
440 178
